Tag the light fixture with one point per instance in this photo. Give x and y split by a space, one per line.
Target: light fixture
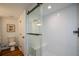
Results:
49 7
38 24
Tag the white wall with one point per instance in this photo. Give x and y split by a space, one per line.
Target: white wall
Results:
58 32
5 34
21 32
0 29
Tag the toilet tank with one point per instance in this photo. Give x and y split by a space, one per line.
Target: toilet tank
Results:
12 39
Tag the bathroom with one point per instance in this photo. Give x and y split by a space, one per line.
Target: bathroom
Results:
38 30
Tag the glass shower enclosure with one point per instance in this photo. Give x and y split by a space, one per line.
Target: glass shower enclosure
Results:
34 32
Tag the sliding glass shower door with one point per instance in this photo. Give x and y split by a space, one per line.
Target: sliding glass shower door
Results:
34 32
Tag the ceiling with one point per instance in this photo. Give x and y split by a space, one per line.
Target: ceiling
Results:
13 9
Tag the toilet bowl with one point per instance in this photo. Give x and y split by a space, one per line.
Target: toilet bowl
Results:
12 46
12 43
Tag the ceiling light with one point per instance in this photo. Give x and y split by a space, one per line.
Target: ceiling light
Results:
49 7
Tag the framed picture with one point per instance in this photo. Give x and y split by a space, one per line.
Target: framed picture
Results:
10 27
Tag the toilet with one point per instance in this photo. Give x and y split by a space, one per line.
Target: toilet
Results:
12 43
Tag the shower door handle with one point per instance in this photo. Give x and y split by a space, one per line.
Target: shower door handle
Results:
77 32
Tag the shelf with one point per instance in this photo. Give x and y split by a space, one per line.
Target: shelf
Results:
34 34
